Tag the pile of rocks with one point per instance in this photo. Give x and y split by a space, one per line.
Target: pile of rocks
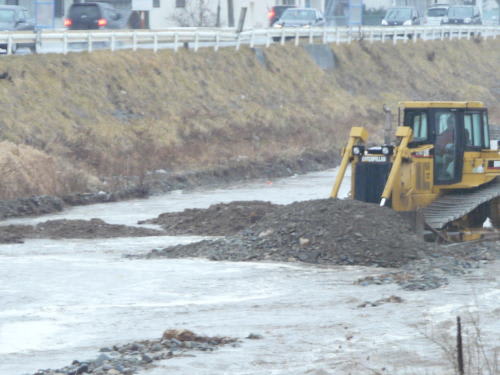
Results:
57 229
130 358
325 231
217 220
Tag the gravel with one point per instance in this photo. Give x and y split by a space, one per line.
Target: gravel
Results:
128 359
58 229
218 220
326 232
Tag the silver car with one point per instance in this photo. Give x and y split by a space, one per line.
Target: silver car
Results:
16 18
300 17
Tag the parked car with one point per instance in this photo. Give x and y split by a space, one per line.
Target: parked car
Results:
16 18
435 15
89 16
491 17
463 15
275 13
300 17
401 16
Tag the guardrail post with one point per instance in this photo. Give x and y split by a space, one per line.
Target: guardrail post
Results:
282 41
217 41
415 35
238 42
311 39
38 41
324 37
155 42
433 33
371 36
395 38
89 43
9 45
296 38
252 39
196 41
383 36
65 43
112 44
134 41
337 36
176 42
268 39
405 36
349 35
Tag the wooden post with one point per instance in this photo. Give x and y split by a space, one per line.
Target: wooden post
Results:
460 349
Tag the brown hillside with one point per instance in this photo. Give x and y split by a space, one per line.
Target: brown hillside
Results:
126 112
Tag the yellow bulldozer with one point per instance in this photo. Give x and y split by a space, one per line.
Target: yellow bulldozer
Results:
443 169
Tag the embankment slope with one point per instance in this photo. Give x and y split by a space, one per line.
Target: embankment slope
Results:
123 113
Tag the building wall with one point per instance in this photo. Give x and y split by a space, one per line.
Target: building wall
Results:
167 15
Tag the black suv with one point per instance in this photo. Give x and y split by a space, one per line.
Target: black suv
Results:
90 16
16 18
275 13
463 15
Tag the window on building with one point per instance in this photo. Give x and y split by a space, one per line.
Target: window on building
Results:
156 3
180 3
289 2
12 2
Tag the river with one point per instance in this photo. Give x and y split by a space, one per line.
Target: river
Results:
62 300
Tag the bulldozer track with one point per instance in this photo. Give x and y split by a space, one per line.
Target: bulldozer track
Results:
455 205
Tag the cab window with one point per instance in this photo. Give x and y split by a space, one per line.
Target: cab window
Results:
417 120
486 130
473 127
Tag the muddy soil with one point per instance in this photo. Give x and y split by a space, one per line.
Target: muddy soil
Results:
324 231
221 219
59 229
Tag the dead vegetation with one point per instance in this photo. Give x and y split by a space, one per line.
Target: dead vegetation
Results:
125 113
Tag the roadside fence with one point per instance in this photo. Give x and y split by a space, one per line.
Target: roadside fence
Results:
66 41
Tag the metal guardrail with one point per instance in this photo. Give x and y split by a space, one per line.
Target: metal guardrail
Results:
216 38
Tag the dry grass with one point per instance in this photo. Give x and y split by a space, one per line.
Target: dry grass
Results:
126 112
26 171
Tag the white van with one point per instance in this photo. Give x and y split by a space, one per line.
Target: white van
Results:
435 15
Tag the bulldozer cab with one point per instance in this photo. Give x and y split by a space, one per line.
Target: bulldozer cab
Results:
452 129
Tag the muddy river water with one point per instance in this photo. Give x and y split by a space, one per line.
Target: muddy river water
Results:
62 300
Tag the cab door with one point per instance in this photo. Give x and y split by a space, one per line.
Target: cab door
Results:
448 146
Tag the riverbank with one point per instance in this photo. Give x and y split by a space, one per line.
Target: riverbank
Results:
72 123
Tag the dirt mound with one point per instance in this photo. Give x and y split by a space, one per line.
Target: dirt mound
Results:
57 229
218 220
325 231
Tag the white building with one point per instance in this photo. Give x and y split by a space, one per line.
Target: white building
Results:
180 12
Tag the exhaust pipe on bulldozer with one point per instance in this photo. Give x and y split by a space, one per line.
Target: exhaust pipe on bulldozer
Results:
388 125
